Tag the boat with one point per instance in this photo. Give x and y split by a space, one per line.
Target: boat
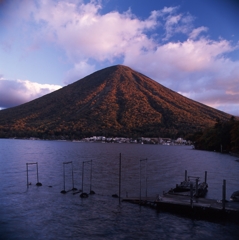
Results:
199 189
235 197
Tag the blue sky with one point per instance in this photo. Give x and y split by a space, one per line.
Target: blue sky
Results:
189 46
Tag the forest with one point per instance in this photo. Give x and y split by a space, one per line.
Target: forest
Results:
222 137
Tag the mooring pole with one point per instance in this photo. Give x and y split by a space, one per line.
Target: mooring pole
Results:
146 184
72 174
119 177
37 173
205 180
224 194
186 175
196 187
140 182
82 184
64 177
38 183
27 174
140 173
64 180
191 194
90 175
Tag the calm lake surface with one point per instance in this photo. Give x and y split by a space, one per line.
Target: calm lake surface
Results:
44 213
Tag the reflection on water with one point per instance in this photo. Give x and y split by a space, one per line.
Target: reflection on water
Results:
45 213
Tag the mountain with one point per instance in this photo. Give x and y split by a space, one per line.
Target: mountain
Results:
115 101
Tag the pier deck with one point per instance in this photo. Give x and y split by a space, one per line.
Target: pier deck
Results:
202 208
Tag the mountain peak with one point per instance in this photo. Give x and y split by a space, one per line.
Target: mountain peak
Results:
115 101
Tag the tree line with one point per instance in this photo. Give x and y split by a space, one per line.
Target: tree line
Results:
222 137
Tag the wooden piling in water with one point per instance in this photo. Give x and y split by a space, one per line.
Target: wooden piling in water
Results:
119 178
38 183
223 194
64 180
84 195
186 176
64 177
191 194
82 180
91 191
196 187
72 177
27 174
140 177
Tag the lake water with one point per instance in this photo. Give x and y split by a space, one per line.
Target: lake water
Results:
44 213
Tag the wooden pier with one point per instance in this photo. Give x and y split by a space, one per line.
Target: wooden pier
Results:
199 208
187 199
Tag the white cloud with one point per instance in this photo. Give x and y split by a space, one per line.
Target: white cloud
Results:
186 58
13 93
169 10
196 69
176 23
197 31
170 25
83 33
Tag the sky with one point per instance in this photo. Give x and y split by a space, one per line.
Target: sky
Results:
189 46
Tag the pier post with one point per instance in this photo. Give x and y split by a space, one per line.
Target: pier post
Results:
224 194
37 173
186 175
140 182
38 183
91 177
140 174
27 175
64 180
84 195
119 177
196 187
146 180
64 177
191 194
82 180
205 179
72 177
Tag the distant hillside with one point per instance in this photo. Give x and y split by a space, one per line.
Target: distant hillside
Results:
115 101
222 137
